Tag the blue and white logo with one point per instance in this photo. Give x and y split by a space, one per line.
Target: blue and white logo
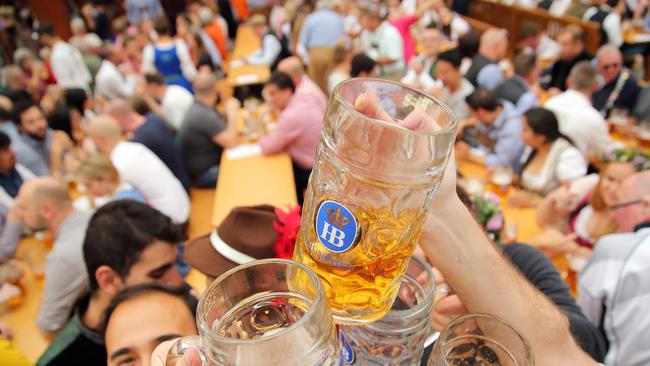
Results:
347 353
336 227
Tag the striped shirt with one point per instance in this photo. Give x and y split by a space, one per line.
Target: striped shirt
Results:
66 278
614 293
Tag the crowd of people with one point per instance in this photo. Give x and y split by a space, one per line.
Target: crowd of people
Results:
130 112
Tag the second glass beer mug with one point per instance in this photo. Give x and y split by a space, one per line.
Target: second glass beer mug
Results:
370 191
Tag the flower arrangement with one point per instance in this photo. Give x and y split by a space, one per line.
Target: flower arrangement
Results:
287 226
489 214
640 159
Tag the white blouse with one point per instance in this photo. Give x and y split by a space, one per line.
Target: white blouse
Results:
564 163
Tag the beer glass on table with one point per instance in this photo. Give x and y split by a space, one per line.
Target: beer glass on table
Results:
370 190
501 178
642 132
266 312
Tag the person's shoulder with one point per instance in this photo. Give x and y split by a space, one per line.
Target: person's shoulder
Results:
64 344
614 246
177 94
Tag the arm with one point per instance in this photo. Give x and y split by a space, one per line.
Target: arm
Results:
490 77
187 66
10 232
509 146
147 59
269 51
287 129
64 284
454 242
228 137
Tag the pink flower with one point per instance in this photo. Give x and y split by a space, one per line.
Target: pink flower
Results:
495 223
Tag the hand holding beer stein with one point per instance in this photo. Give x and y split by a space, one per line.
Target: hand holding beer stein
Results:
381 157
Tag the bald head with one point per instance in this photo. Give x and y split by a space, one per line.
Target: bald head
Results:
293 67
609 62
633 202
205 83
118 108
105 132
43 203
494 43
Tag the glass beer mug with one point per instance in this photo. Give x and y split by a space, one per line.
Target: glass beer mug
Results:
370 191
266 312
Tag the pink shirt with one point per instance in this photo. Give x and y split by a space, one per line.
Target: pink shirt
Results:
308 87
298 130
403 25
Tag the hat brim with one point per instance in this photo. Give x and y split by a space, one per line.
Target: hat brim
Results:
201 255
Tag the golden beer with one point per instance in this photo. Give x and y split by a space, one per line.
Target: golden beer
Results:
370 191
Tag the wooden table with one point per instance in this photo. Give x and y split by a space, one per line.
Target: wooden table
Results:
246 43
524 218
22 318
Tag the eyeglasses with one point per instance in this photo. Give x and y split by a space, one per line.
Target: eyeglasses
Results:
625 204
611 66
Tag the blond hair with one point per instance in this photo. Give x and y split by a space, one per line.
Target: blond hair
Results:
98 166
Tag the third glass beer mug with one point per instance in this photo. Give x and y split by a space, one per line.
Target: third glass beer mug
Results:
370 191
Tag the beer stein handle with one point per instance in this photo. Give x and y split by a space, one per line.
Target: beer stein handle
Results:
187 351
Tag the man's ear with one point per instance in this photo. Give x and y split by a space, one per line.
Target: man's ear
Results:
108 280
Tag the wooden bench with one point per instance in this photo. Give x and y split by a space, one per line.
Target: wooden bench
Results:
512 17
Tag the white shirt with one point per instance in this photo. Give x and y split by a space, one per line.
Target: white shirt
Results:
175 103
267 54
611 25
141 168
386 41
423 80
563 164
615 281
111 83
69 67
581 122
559 7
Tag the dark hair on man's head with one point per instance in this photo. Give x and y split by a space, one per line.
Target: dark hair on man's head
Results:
154 78
469 43
529 29
47 29
161 25
524 63
482 99
20 107
452 56
119 232
282 81
543 122
5 141
361 63
137 291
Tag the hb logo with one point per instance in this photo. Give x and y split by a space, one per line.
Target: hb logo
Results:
336 227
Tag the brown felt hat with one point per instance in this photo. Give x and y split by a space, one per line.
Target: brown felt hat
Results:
246 234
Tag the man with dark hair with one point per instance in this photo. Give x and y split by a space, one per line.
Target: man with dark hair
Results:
141 317
572 51
363 66
12 174
532 39
300 121
455 87
38 148
66 61
517 89
152 132
174 100
127 243
495 134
